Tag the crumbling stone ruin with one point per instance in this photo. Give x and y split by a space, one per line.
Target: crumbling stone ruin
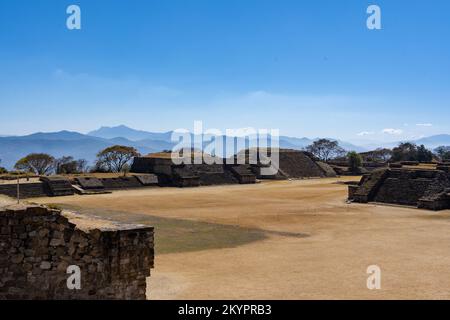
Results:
47 186
293 164
296 164
342 167
57 186
38 244
422 188
191 175
53 186
89 185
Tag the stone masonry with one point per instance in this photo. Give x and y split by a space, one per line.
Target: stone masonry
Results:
426 189
38 244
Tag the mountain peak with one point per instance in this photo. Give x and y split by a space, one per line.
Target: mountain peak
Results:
122 131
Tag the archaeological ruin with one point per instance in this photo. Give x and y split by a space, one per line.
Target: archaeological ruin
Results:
418 187
296 164
40 248
293 164
192 175
52 186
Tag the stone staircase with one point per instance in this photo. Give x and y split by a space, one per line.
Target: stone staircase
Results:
243 173
58 186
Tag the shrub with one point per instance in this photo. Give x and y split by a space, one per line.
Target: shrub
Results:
354 161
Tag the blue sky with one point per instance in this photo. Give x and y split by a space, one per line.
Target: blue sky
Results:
308 68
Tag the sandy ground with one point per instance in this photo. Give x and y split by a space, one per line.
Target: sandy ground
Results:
316 245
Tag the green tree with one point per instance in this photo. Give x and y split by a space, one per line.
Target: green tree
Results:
443 152
113 159
405 151
39 163
423 154
2 170
354 161
325 149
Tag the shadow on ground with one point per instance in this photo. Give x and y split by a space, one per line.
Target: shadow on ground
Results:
178 235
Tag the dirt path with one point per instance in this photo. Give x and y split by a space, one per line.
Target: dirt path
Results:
315 245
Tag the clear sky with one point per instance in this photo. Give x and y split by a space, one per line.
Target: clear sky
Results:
308 68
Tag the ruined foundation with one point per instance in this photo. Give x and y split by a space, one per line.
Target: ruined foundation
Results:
38 244
427 189
54 186
293 164
192 175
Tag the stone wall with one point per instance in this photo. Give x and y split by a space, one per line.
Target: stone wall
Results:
428 189
293 164
188 175
129 182
26 190
113 183
404 190
37 245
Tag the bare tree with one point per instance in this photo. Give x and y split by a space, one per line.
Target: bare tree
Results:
68 165
378 155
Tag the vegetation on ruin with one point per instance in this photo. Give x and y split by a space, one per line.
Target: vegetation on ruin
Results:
354 161
443 152
2 170
407 151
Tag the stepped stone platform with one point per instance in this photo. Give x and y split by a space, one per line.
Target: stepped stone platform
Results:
38 244
293 164
129 182
243 173
26 190
189 175
53 186
58 186
147 179
88 183
342 167
427 189
93 185
45 187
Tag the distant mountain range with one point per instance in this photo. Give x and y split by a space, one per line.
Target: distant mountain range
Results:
86 146
130 134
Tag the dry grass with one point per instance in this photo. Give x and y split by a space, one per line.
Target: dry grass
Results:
313 244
